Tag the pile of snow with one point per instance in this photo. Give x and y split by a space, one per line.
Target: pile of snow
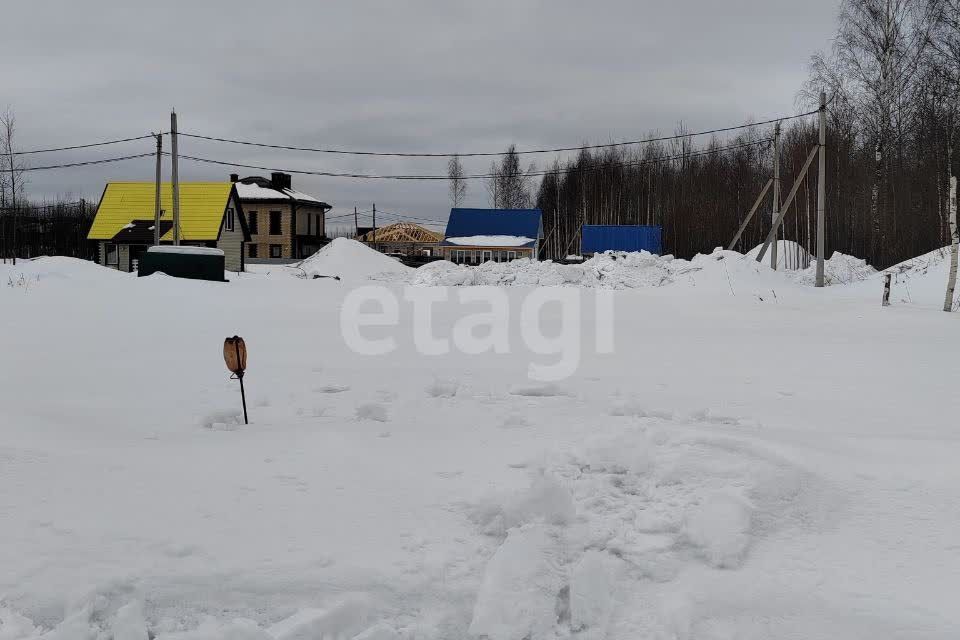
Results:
791 255
55 267
719 270
921 265
350 259
837 269
611 270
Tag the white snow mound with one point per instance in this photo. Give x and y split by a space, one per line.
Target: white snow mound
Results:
350 259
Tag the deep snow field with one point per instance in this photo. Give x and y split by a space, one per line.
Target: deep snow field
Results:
756 458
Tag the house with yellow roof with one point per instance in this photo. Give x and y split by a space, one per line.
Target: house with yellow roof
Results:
210 216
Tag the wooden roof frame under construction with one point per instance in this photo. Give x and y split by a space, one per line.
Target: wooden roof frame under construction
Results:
402 232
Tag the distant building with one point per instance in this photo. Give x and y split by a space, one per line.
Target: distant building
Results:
597 238
210 216
404 238
284 224
475 236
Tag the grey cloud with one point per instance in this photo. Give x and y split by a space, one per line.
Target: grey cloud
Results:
404 76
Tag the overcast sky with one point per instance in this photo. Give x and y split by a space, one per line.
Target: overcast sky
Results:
439 76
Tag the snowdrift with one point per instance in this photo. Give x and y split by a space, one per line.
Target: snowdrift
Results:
791 255
350 259
837 269
620 270
610 270
56 267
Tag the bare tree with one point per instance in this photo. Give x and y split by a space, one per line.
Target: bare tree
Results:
12 185
946 66
879 47
458 184
509 184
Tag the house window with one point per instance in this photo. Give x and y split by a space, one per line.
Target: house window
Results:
251 251
252 223
230 220
111 255
309 225
511 255
275 223
317 224
276 250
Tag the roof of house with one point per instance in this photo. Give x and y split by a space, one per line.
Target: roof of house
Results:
140 231
257 188
503 227
402 232
202 207
597 238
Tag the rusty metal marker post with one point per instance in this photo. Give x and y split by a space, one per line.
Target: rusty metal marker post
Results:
235 355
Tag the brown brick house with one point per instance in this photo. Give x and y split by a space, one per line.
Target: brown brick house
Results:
284 224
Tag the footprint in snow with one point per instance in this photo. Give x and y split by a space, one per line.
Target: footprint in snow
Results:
228 420
443 388
332 388
540 391
514 421
372 411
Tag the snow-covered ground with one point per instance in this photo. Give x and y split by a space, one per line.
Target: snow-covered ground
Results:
755 458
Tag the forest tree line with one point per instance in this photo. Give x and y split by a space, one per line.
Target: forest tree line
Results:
892 77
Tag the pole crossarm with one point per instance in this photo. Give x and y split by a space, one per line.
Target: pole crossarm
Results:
786 204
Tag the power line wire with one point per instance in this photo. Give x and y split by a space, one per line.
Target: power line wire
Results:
77 146
88 162
480 176
498 153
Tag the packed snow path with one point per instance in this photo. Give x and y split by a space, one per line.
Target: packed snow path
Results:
755 460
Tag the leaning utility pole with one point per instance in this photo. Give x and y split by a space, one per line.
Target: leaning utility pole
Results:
821 187
156 204
174 178
776 194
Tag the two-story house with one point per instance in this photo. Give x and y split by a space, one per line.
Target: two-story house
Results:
284 224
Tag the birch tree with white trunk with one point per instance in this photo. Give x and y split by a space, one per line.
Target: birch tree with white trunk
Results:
458 184
954 245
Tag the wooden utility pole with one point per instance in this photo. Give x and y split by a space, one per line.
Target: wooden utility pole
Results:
776 194
356 224
374 232
174 178
821 188
156 203
772 236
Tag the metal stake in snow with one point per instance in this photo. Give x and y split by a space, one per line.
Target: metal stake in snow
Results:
235 355
886 289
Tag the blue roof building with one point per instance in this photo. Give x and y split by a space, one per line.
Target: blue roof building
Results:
597 238
474 236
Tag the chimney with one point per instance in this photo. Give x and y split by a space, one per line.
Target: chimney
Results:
234 177
280 180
